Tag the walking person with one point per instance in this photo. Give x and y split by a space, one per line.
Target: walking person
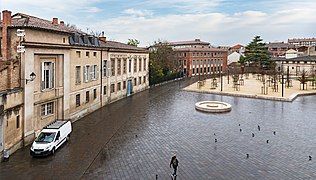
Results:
174 162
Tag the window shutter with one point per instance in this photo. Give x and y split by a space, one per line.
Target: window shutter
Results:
97 72
52 75
42 80
84 73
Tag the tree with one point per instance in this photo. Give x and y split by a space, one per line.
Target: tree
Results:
162 65
133 42
257 53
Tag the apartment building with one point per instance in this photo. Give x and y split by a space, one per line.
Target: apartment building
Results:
199 58
63 74
302 41
278 49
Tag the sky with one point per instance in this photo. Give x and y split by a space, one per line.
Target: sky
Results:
219 22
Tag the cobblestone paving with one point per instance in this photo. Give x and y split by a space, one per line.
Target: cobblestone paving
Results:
136 137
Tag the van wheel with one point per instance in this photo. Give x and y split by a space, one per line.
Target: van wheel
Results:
53 151
68 138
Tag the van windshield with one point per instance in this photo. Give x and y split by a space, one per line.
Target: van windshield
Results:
45 137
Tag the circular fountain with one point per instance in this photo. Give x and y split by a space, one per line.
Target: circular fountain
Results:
213 106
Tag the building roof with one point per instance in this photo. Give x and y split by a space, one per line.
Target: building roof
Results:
24 20
121 46
238 46
208 49
279 45
301 58
196 41
302 40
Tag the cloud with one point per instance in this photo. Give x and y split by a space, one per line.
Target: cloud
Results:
138 13
221 22
217 28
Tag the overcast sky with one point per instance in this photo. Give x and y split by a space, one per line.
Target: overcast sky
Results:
220 22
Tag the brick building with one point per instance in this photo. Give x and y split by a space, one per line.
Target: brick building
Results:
278 49
199 58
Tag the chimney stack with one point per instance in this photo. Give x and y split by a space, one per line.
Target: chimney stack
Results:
62 23
103 39
6 21
55 21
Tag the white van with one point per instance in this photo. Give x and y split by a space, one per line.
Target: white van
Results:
51 138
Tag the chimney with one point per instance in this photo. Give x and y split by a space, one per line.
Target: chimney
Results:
197 40
62 23
6 21
103 39
55 21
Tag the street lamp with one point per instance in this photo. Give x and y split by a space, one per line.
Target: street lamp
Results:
220 74
282 79
32 77
228 75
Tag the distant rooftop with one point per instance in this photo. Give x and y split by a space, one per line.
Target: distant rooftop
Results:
24 20
196 41
302 40
119 45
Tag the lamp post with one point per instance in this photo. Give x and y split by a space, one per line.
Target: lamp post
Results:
32 77
282 79
220 74
228 75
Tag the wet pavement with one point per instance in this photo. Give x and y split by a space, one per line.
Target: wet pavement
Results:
135 138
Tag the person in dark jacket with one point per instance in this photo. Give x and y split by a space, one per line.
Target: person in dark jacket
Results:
174 162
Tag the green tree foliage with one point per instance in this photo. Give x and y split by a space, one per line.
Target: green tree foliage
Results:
133 42
162 65
256 52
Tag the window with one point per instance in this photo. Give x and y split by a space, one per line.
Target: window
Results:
78 73
86 73
139 64
112 88
94 72
95 54
135 83
119 67
87 53
185 62
18 121
94 93
124 84
104 67
144 79
47 109
64 40
145 62
139 80
118 86
130 65
112 67
135 65
47 75
77 100
104 90
193 71
193 62
124 66
87 96
78 54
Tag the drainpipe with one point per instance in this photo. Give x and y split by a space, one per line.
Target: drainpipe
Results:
101 77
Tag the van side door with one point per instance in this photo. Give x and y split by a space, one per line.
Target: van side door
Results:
58 140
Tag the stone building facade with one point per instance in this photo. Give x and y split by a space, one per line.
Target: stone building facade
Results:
56 72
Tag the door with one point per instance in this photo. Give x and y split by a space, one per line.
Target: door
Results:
129 87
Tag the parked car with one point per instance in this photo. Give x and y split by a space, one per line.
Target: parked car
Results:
51 138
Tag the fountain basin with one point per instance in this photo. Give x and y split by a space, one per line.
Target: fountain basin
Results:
213 106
